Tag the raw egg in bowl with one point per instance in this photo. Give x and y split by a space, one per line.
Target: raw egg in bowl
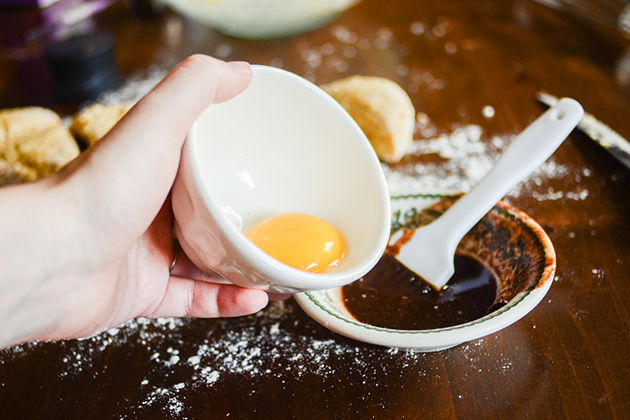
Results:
504 267
284 164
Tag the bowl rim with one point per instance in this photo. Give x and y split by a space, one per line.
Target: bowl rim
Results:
441 338
285 276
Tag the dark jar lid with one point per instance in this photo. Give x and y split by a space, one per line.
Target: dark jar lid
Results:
83 66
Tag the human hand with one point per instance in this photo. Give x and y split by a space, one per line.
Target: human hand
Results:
91 246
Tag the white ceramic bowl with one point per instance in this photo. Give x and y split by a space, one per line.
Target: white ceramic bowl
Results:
281 146
261 18
507 241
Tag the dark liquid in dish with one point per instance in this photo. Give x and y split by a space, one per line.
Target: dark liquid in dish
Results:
392 296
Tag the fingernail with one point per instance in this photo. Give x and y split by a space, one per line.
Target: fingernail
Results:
241 68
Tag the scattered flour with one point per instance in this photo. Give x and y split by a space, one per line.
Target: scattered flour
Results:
262 345
463 161
487 111
135 88
462 158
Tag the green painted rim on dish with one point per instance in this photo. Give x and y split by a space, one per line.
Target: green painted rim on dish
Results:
317 297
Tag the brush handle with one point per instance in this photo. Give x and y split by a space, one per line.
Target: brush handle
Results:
431 250
527 152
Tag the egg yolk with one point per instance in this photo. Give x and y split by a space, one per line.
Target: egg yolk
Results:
301 241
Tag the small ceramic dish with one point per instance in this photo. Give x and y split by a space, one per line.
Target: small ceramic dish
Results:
506 241
281 146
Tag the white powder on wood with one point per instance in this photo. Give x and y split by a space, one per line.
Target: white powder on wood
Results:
464 158
260 345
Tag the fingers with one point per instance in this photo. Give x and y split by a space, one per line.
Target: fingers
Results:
187 269
199 299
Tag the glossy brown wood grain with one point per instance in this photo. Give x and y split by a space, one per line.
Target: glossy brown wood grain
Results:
568 359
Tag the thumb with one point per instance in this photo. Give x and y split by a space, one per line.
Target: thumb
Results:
132 169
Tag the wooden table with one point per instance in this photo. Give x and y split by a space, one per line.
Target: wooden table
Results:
569 358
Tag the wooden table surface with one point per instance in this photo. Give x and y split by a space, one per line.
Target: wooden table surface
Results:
569 358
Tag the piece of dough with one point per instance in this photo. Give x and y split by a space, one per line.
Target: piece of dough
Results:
34 143
91 124
15 173
381 108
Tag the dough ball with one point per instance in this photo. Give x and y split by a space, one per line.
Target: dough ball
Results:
34 143
91 124
382 109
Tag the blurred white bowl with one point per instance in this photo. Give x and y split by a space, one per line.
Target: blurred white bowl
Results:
281 146
261 18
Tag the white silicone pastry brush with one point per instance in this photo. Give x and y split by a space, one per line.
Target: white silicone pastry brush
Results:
431 250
